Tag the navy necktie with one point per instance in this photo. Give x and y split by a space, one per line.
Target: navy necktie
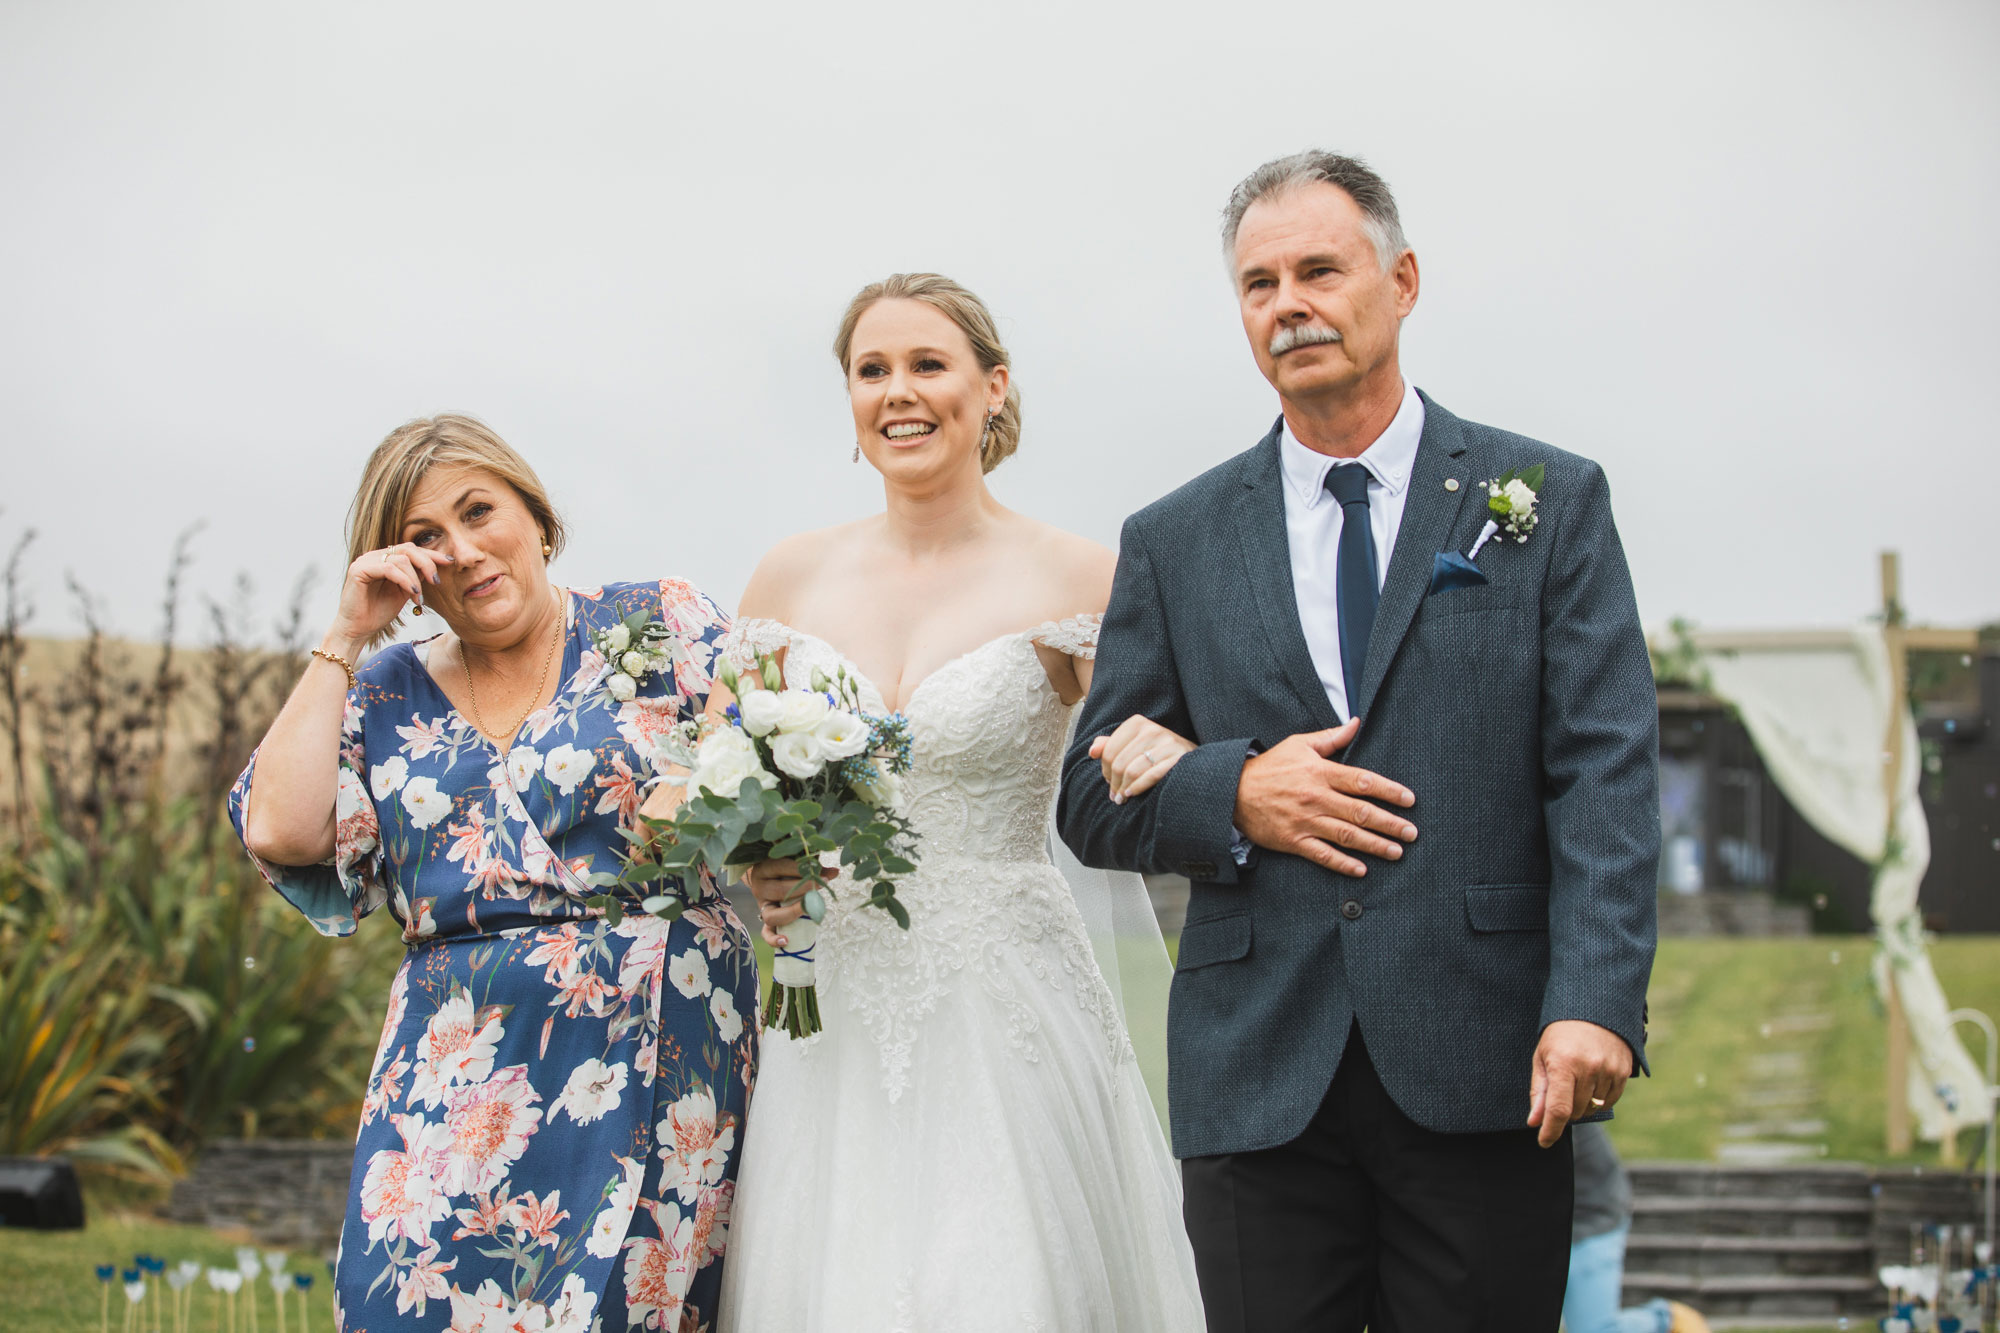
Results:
1357 588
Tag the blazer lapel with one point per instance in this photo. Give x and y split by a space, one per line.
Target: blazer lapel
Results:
1267 555
1428 515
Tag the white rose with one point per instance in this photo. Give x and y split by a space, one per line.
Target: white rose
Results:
801 710
618 640
633 664
1519 498
721 742
388 776
523 763
798 753
567 766
760 710
426 804
881 789
621 687
724 774
842 735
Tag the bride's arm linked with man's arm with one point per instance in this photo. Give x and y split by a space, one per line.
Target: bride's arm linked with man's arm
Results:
1214 799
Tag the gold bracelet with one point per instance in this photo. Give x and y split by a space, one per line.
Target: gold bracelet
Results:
353 681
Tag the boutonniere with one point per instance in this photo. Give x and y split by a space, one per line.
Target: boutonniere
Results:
1512 498
633 649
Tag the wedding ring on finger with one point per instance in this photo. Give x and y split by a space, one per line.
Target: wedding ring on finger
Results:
1147 757
1597 1102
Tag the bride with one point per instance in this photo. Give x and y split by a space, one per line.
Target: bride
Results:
969 1144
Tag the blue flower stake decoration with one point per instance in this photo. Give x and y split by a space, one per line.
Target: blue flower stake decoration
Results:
106 1273
303 1284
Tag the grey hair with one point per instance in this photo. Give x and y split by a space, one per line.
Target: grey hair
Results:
1357 178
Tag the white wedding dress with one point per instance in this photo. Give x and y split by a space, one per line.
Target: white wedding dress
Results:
969 1144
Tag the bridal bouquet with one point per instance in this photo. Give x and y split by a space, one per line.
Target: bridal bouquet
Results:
790 774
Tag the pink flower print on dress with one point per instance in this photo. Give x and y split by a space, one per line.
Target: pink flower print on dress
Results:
538 1219
582 992
571 1310
355 832
423 1281
693 1146
401 1194
621 791
457 1047
646 723
489 1212
559 950
659 1272
607 1232
711 1221
593 1089
420 738
711 927
490 1126
489 1311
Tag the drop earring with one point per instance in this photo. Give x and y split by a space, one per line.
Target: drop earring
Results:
857 452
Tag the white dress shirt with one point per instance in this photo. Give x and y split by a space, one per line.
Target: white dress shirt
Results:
1313 521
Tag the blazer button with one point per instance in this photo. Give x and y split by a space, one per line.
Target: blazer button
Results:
1351 910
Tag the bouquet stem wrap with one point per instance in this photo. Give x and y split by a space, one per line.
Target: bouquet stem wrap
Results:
794 1002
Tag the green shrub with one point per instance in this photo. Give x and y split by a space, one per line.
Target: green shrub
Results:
154 994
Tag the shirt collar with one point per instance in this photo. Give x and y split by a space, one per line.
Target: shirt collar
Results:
1389 460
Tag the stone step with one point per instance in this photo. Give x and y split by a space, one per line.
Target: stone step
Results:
1750 1256
1806 1216
1734 1295
1709 1180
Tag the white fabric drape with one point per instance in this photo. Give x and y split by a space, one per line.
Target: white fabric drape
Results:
1818 716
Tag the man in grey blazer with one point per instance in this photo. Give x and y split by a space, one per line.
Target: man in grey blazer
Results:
1378 1037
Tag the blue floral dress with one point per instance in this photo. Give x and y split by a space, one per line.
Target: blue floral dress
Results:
553 1122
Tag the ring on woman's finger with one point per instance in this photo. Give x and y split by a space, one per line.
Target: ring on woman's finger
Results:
1147 756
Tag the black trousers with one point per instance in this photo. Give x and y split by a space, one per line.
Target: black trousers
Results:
1368 1220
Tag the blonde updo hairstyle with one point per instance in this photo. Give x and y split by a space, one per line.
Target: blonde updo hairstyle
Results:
974 320
399 464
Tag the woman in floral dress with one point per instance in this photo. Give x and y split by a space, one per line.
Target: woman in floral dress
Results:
551 1128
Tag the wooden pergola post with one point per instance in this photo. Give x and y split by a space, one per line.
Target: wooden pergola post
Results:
1899 1138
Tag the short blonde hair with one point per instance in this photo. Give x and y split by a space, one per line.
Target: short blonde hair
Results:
399 464
974 320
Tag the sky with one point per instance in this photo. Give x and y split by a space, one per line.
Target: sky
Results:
1740 254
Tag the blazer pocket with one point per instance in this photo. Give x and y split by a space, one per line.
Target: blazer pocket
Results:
1498 907
1220 939
1458 601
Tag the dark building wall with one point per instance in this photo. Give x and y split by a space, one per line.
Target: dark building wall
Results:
1743 809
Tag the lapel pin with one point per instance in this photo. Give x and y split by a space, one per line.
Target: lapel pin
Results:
1451 483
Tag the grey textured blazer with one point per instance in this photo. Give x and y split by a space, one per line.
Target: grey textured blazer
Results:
1523 715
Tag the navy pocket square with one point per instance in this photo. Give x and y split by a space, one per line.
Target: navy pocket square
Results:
1451 570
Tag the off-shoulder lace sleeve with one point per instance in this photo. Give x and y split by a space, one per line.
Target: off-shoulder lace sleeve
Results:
1075 636
747 639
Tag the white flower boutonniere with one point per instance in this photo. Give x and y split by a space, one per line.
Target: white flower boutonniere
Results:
633 649
1512 498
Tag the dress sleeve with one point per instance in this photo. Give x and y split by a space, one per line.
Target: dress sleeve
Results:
703 628
338 892
1075 636
748 639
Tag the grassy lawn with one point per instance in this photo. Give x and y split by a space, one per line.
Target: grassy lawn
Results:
1719 1004
48 1282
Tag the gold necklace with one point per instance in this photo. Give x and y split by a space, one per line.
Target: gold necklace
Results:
472 694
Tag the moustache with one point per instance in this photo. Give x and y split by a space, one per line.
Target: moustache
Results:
1295 336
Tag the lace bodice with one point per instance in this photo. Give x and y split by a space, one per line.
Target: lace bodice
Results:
988 733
